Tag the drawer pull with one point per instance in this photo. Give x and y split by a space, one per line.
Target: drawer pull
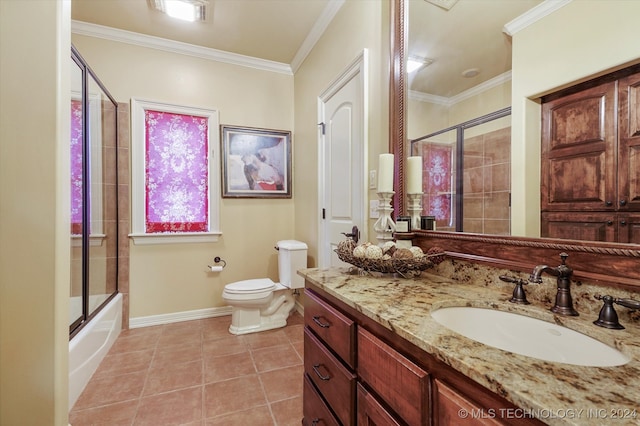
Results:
316 319
316 368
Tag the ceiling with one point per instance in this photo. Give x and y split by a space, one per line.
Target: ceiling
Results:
272 30
469 35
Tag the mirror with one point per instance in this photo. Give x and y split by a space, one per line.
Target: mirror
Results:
447 102
463 79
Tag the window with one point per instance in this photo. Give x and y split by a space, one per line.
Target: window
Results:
175 173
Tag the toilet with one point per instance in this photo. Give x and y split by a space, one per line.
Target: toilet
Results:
260 304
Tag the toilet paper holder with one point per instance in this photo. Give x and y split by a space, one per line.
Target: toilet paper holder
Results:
217 267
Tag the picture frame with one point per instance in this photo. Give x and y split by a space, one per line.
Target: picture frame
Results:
256 163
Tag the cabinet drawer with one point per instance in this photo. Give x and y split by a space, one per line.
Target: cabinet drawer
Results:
316 412
404 386
371 412
334 328
334 381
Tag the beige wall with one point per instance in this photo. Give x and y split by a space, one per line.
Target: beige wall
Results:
359 24
173 277
34 213
424 117
580 40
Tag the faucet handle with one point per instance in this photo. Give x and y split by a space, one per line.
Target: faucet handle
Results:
519 296
608 318
628 303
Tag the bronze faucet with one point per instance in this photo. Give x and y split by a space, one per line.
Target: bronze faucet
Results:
564 303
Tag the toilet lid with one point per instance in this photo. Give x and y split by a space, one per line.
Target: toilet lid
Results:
250 286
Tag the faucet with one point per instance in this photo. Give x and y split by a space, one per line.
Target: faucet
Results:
564 303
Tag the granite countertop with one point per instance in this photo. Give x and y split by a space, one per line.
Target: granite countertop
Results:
556 393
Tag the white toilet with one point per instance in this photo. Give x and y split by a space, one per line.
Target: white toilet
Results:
260 304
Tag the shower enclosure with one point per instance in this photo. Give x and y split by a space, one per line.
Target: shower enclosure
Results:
93 223
466 175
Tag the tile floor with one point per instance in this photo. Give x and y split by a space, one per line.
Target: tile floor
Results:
196 373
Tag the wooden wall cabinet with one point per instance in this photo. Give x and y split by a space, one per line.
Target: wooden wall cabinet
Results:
384 380
591 160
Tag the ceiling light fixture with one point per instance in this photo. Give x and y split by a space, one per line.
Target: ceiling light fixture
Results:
187 10
415 63
471 72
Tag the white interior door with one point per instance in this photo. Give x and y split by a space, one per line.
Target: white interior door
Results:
342 158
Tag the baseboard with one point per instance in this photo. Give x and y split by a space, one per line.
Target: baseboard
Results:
179 316
139 322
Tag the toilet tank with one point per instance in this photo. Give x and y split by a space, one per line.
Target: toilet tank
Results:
292 255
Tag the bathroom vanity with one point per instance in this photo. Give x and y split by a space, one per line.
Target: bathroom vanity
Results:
374 355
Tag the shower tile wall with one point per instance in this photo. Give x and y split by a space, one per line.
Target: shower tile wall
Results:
123 209
487 181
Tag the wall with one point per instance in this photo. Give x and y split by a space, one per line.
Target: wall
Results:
34 211
581 40
358 25
173 278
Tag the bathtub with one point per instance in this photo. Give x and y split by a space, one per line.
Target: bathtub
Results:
89 347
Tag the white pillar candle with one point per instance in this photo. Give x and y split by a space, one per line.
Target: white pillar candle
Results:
385 173
414 175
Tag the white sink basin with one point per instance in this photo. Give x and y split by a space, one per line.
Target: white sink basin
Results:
528 336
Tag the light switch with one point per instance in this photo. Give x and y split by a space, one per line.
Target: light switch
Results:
372 179
373 209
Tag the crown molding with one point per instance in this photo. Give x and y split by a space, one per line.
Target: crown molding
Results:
469 93
152 42
429 98
533 15
316 32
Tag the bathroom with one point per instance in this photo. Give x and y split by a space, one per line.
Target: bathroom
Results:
250 226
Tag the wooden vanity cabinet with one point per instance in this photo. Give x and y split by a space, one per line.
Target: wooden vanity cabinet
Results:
384 380
590 171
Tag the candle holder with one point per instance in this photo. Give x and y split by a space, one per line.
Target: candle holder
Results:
415 209
384 226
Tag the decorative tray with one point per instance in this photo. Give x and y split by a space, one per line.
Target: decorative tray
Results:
389 264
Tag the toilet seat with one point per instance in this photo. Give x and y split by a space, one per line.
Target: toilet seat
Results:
258 285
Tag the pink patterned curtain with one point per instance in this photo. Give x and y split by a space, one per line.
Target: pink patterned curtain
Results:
437 183
76 167
177 172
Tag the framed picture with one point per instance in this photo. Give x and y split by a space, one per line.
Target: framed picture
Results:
256 163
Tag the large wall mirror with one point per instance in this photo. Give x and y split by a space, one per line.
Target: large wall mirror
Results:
458 110
473 68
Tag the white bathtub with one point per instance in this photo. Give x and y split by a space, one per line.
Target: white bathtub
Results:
89 347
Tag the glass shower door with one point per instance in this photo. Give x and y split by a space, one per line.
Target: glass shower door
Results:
75 225
94 195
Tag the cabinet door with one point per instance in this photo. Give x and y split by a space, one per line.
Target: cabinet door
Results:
579 226
371 412
579 151
629 150
402 385
452 408
629 228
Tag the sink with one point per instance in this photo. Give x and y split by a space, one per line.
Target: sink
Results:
528 336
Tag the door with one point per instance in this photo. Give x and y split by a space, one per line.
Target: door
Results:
342 152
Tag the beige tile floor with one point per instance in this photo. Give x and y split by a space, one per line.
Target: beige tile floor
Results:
196 373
